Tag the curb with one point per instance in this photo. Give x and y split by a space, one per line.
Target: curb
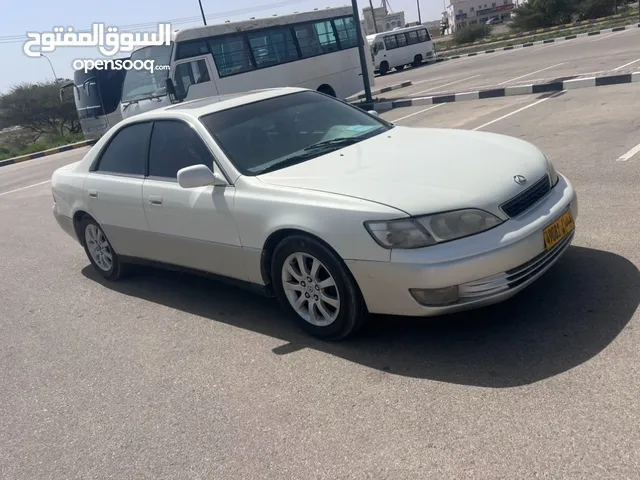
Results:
530 33
586 82
382 90
44 153
541 42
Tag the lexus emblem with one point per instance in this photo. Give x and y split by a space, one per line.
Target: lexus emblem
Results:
519 179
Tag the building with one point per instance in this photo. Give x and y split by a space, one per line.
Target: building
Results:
463 13
385 21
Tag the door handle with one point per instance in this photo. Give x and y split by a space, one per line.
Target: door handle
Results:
93 193
155 200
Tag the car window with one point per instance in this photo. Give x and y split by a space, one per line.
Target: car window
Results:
262 135
126 153
175 145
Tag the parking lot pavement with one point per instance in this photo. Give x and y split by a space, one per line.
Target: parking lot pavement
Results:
167 375
34 172
579 57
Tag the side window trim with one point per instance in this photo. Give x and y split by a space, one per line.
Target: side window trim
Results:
95 165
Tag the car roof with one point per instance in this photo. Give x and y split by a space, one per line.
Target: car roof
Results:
206 105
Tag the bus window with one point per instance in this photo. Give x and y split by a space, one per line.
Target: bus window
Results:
412 37
191 49
390 42
273 46
327 38
346 29
423 36
401 39
231 54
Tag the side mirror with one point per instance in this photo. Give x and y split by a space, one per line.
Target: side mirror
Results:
199 176
374 113
171 90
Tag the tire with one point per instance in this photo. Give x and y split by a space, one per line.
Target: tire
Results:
399 68
384 68
346 312
417 61
92 232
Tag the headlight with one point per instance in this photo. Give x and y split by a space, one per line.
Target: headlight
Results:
431 229
552 173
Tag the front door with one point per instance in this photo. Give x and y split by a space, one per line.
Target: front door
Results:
192 227
193 77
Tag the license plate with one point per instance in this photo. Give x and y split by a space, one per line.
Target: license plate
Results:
558 230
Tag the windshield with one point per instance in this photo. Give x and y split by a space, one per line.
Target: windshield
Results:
97 92
271 134
143 83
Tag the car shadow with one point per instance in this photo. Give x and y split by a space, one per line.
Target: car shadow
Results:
564 319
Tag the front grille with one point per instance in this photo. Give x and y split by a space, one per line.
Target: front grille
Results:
527 199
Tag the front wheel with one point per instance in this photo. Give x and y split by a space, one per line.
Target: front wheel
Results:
314 285
417 61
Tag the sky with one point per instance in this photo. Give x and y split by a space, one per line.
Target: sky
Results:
20 17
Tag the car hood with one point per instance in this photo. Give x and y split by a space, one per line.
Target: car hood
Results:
422 170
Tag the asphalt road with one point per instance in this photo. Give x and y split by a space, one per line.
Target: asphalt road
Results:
585 56
171 376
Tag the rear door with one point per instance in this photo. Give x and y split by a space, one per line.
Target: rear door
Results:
114 188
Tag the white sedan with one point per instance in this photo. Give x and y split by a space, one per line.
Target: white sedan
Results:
333 210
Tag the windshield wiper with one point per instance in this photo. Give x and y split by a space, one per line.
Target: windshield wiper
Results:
314 150
341 141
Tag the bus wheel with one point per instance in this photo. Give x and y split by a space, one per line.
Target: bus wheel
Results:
417 61
399 68
384 68
324 88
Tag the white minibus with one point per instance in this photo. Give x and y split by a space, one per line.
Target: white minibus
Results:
400 47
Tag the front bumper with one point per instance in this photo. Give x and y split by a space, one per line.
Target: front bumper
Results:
488 268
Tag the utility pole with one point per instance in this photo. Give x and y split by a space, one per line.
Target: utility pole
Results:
419 17
373 15
55 77
363 59
202 12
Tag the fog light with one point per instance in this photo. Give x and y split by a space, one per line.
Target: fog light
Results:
435 297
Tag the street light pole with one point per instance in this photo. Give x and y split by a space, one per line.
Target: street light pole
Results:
373 16
363 58
55 77
202 12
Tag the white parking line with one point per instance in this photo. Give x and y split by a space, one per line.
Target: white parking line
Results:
626 65
532 73
629 154
416 113
24 188
445 85
518 111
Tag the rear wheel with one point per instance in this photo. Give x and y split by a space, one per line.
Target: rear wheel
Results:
314 285
417 61
99 250
384 68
